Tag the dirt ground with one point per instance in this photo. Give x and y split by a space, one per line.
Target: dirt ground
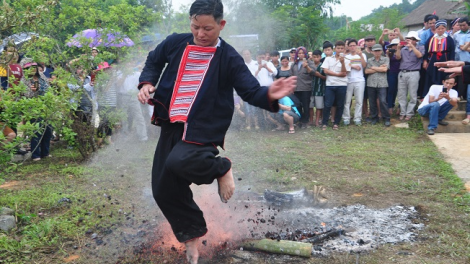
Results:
456 149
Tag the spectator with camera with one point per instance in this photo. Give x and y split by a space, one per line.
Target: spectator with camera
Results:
304 69
356 83
336 70
438 102
392 35
410 56
392 74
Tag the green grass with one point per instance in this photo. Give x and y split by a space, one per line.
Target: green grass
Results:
44 222
388 166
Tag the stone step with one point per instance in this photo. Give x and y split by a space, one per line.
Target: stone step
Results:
456 115
453 127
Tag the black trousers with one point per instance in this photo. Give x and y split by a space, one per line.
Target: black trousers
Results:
304 98
176 166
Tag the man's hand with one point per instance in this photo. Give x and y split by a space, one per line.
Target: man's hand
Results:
359 51
442 95
305 64
425 65
454 71
282 87
356 67
396 30
449 64
144 93
385 32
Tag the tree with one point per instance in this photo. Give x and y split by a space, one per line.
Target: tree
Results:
55 21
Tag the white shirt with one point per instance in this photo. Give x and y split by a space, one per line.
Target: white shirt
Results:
252 66
332 64
266 78
435 90
355 75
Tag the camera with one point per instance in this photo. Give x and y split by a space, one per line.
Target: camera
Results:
392 51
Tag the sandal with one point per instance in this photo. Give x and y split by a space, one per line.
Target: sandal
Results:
335 127
323 127
402 117
408 118
466 121
291 131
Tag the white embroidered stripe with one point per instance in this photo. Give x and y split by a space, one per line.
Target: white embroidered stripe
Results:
183 101
179 111
194 55
193 73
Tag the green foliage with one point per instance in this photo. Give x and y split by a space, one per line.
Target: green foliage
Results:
55 22
389 17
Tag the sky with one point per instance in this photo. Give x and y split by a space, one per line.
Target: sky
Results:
351 8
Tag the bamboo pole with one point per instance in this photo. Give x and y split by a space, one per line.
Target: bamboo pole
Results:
280 247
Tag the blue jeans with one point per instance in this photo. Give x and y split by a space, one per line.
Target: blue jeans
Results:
392 78
40 143
435 112
334 95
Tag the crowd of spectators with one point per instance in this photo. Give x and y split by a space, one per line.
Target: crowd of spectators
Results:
387 78
97 99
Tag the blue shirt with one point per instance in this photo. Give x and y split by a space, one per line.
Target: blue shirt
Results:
424 36
463 55
288 102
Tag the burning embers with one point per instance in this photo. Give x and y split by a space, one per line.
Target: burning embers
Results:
292 224
347 229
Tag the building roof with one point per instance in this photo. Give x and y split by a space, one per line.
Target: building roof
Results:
444 9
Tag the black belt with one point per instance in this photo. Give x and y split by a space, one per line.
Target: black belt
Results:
409 70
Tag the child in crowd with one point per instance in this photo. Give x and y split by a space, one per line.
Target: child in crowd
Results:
318 89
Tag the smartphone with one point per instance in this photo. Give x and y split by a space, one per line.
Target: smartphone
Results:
36 85
444 90
403 43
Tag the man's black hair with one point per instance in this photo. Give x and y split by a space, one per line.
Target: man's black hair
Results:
327 44
213 8
464 19
431 17
340 43
274 53
448 77
426 17
316 52
351 41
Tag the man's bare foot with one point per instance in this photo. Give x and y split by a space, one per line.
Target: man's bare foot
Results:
192 254
226 186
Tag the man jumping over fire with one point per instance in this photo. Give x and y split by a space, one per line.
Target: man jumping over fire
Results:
193 104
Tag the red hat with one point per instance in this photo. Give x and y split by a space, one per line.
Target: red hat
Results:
103 65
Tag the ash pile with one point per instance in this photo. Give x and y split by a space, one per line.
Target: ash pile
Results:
303 217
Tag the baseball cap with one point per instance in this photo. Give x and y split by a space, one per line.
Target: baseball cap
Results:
377 47
370 37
